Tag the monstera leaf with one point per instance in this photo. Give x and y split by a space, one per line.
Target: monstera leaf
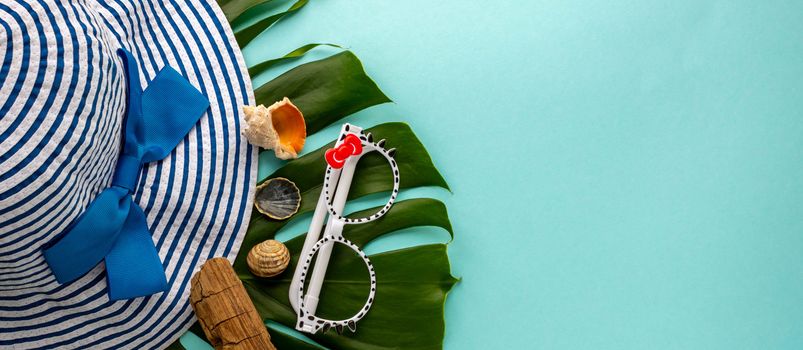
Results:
412 282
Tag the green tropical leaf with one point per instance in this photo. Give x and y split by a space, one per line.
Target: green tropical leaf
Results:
233 9
245 35
290 56
413 281
325 90
285 341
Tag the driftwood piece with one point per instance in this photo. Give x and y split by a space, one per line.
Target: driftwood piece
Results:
225 312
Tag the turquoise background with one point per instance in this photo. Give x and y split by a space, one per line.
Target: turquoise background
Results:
625 175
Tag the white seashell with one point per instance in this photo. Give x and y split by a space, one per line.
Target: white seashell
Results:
280 127
268 259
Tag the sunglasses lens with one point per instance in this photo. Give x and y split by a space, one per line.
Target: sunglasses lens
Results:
373 173
347 284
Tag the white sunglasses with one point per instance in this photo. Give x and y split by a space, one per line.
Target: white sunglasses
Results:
342 160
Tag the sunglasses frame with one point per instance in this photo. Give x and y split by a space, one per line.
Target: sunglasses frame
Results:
330 204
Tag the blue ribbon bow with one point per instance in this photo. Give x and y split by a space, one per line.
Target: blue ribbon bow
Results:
114 228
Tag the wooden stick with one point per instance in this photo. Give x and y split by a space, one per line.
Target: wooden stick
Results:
226 313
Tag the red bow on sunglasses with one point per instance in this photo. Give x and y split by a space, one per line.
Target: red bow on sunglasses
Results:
337 156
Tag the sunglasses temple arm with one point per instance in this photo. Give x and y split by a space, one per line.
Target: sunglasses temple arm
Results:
333 228
313 235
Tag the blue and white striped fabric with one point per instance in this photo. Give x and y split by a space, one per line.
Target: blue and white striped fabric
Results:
62 101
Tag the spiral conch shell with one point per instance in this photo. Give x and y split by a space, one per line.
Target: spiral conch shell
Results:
279 127
268 259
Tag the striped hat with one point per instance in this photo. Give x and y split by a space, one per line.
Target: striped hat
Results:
63 109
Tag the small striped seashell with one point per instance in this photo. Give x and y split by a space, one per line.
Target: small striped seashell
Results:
278 198
268 259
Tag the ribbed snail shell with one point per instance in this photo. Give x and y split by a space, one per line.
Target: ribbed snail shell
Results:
268 259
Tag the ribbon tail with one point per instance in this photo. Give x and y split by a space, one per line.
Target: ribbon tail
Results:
170 108
76 251
133 266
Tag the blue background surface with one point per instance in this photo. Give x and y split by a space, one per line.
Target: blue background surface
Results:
625 175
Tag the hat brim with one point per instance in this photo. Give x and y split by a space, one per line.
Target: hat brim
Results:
197 200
